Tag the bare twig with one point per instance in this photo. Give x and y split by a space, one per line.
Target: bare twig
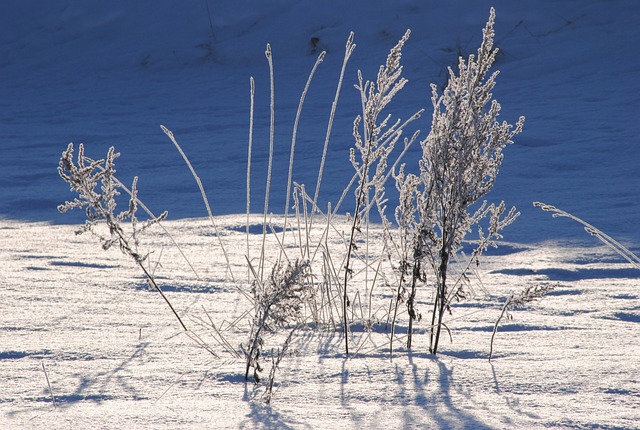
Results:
46 376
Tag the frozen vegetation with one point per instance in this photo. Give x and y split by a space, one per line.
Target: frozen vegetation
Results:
343 268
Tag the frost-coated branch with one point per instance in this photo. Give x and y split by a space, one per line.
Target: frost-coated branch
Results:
616 246
97 187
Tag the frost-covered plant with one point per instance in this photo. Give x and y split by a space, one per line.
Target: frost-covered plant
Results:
411 254
375 138
278 304
518 300
461 157
613 244
98 188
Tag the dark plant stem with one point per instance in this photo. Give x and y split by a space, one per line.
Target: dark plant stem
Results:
153 283
345 298
139 261
213 35
411 301
255 341
441 302
442 293
495 327
354 228
395 311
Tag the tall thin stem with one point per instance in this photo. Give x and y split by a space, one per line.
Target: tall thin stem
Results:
170 135
124 246
269 56
249 150
293 140
354 227
350 47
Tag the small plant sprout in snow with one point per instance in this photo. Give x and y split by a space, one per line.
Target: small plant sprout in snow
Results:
461 157
518 300
97 187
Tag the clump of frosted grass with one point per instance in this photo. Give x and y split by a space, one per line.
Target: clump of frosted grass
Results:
278 304
335 274
375 138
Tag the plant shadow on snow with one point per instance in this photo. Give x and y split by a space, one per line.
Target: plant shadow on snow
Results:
466 354
262 415
512 327
94 387
424 383
256 229
81 264
512 402
45 354
417 382
13 355
17 355
232 378
625 317
555 274
565 292
70 399
179 288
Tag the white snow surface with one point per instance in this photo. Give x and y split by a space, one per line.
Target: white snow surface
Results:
110 73
117 358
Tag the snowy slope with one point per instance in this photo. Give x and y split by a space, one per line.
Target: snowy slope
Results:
111 73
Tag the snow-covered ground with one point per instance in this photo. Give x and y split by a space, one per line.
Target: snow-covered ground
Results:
116 357
109 73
